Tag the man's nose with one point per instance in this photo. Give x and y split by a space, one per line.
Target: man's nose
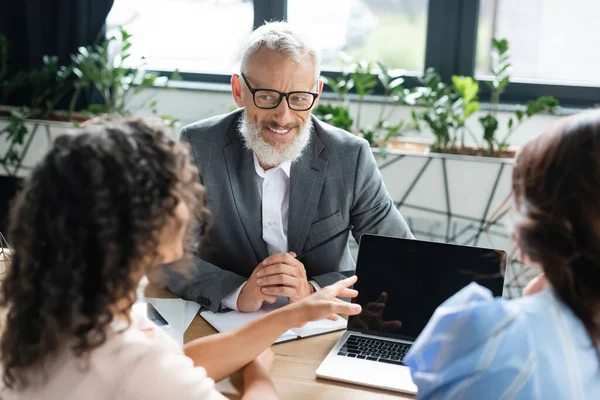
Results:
282 113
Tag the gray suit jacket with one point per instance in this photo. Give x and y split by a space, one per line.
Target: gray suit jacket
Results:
336 183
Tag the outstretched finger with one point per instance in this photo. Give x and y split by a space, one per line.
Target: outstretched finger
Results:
344 283
347 308
348 293
340 301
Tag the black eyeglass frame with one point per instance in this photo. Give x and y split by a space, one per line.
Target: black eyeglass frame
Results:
281 96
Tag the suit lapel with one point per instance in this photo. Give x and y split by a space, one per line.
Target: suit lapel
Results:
306 182
242 179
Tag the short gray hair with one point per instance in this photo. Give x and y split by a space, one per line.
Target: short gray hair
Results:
280 37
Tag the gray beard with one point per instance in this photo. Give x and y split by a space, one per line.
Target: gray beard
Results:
268 154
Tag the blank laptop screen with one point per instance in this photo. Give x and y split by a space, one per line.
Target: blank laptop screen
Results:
402 281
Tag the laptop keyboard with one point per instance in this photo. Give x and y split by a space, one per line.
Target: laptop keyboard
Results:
374 349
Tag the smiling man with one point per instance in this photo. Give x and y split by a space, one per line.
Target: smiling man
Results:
284 188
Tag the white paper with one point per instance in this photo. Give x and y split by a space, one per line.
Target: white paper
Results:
191 310
178 313
227 321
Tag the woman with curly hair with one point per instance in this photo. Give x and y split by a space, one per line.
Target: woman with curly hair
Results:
545 345
101 210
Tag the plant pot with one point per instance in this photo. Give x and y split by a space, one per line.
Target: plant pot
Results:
9 186
476 151
408 145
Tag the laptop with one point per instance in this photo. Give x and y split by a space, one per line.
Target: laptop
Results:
400 284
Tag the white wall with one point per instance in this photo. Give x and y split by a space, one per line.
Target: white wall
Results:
192 105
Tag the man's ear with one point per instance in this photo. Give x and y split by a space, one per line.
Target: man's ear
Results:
236 90
319 90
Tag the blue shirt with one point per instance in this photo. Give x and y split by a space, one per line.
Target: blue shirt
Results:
479 347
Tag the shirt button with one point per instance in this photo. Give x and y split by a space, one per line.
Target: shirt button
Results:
269 186
271 223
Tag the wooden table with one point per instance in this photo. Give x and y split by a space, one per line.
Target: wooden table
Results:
293 370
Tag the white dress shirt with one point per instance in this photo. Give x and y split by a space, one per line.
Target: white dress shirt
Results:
274 188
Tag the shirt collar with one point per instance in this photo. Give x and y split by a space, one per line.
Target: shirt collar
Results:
285 167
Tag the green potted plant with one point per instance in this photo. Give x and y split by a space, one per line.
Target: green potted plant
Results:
496 146
361 78
101 68
26 132
445 109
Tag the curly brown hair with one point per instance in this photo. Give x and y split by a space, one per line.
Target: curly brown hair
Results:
556 188
88 219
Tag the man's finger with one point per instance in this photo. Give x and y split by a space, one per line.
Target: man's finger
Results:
269 299
277 269
279 291
280 258
280 279
382 297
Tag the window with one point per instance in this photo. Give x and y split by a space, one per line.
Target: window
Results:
189 35
551 41
392 31
554 44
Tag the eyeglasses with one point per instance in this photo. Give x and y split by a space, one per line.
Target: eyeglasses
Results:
269 98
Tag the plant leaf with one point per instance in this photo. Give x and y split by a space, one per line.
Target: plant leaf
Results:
471 108
519 115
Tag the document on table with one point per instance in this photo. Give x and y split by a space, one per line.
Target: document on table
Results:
227 321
